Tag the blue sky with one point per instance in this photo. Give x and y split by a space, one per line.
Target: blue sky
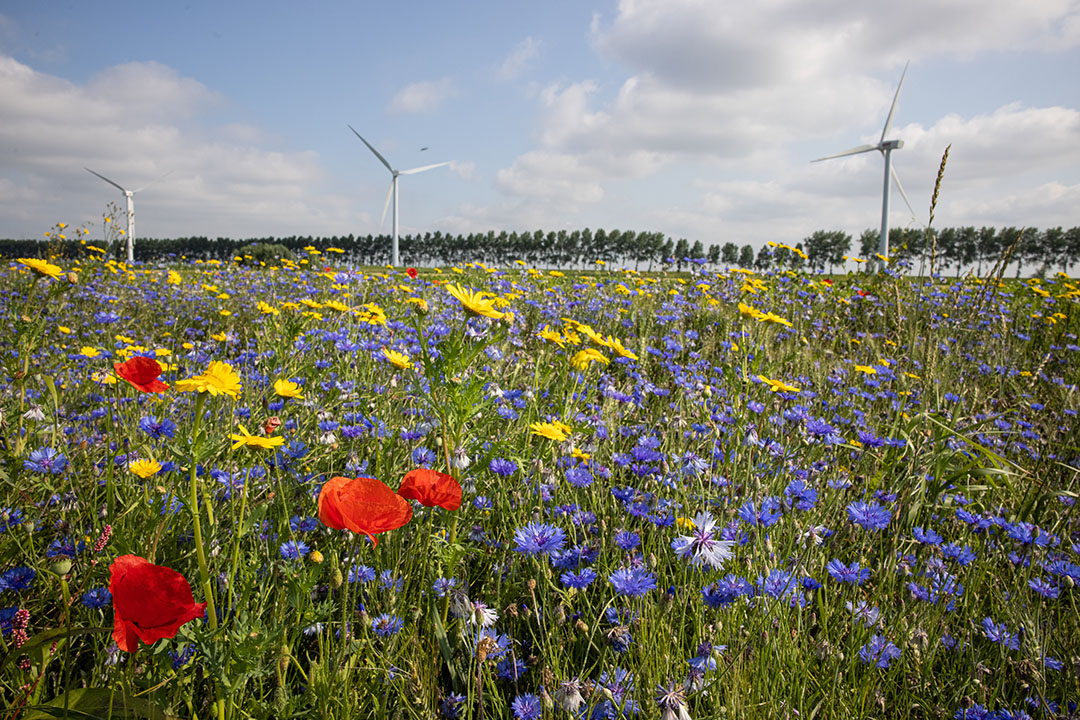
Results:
694 118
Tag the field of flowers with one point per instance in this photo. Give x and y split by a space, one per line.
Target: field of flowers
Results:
305 491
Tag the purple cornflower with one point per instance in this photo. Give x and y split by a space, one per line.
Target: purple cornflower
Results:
97 598
293 550
879 652
1044 587
17 578
1000 634
46 460
765 513
539 538
800 496
869 515
703 546
578 580
526 707
852 574
634 582
503 467
157 429
386 625
627 540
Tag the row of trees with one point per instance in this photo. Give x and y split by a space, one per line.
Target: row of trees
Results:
952 249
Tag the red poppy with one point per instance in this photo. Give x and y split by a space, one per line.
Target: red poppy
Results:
271 425
363 505
142 373
412 272
431 488
150 602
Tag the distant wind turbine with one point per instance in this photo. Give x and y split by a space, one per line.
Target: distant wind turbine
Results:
393 191
885 147
130 195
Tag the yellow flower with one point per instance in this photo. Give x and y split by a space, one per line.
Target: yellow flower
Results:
266 309
89 352
586 357
173 278
865 369
219 379
256 441
42 267
372 314
420 303
548 334
616 345
144 468
475 303
778 385
773 318
553 430
316 556
580 454
104 378
64 329
287 389
398 360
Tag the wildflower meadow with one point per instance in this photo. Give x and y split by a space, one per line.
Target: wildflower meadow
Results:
304 490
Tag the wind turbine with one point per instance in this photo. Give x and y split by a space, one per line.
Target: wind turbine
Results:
393 191
130 195
885 147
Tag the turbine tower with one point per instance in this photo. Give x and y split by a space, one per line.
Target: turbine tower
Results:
130 195
885 147
393 191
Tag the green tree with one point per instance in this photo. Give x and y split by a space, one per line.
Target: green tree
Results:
746 256
730 253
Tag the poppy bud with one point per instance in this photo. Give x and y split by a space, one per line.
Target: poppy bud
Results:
336 578
271 425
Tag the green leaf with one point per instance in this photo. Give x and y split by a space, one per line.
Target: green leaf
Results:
37 645
97 703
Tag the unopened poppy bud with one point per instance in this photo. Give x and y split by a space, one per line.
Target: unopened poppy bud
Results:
336 578
73 278
315 557
61 567
271 425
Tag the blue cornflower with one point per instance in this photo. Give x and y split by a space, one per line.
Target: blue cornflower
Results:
503 467
781 584
852 574
511 668
423 457
765 513
293 550
869 515
443 586
299 524
17 578
1044 587
65 547
361 573
578 580
864 612
46 460
449 706
724 592
180 658
1000 634
97 598
526 707
10 517
879 652
539 538
627 540
634 582
157 429
579 477
386 625
800 496
389 581
962 555
927 537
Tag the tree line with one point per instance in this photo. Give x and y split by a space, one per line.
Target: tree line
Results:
950 249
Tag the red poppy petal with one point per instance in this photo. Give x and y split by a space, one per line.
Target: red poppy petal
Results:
150 602
329 514
431 488
368 506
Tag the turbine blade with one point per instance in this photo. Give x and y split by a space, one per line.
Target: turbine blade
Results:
105 179
152 182
413 171
896 179
896 98
381 158
389 194
852 151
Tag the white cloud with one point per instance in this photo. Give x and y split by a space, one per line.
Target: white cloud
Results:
422 97
550 176
133 123
520 59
